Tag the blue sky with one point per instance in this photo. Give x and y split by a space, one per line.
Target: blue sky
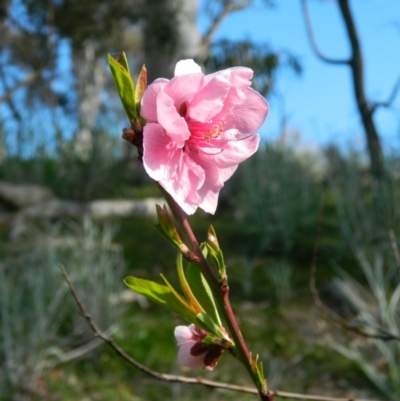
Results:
320 104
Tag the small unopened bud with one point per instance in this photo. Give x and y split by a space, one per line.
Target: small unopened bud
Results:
193 351
134 135
141 86
217 256
168 227
212 239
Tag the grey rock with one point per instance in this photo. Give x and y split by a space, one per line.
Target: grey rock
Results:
20 196
99 209
51 209
124 208
55 208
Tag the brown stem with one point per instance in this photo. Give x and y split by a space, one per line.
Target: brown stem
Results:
221 292
180 217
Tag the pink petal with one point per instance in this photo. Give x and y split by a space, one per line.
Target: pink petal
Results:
183 334
231 155
210 201
246 117
183 182
160 153
209 192
225 137
211 170
209 101
241 77
186 359
184 67
226 173
174 125
148 108
180 176
213 183
220 167
235 152
240 81
192 165
182 88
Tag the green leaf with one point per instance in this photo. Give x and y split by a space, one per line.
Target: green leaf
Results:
176 294
204 249
208 340
212 239
215 253
124 62
202 291
163 295
125 85
186 288
207 323
167 226
141 86
217 260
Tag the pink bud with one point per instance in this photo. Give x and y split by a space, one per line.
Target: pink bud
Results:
193 353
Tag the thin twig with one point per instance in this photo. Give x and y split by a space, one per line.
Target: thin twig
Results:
390 99
381 334
228 8
182 379
313 42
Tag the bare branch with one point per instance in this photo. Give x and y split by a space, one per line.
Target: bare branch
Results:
311 38
182 379
390 99
228 8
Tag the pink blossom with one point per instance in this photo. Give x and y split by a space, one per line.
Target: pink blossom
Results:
192 352
199 128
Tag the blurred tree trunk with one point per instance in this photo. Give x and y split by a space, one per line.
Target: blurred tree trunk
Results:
90 77
355 62
170 33
365 110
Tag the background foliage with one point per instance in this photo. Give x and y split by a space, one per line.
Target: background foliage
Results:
58 119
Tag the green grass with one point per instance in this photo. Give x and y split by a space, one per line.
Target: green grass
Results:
287 336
